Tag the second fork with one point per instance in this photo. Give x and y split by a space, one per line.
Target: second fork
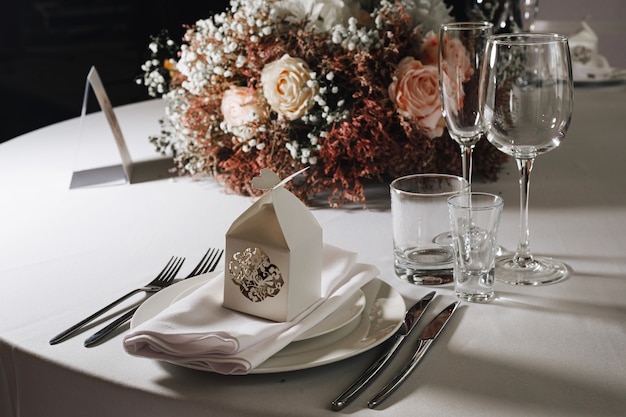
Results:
208 263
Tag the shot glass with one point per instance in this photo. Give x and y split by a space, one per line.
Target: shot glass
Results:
422 243
474 222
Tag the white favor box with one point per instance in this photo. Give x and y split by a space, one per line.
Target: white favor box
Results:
273 258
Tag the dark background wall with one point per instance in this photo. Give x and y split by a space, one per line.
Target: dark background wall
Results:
48 46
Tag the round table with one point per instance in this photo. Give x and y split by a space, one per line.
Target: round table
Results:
555 350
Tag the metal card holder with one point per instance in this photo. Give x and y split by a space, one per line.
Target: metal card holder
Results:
128 171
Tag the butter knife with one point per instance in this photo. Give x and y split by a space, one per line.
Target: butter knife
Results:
411 317
424 342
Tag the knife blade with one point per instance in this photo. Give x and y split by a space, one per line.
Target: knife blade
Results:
411 317
425 340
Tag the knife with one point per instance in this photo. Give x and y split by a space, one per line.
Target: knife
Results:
411 317
424 342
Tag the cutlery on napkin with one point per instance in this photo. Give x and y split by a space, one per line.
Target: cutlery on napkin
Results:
196 331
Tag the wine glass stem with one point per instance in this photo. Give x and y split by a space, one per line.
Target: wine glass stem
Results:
523 256
466 161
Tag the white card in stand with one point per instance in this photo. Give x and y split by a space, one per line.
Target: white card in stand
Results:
98 149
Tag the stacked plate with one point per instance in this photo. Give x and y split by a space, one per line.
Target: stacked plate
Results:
589 67
364 321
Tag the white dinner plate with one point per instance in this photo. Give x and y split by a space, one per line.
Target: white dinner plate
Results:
617 76
347 315
380 317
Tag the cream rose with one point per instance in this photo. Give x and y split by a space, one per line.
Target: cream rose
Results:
415 92
240 106
289 87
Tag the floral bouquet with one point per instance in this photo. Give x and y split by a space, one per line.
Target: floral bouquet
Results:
347 88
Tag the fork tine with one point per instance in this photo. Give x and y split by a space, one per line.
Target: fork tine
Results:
215 261
172 270
207 263
165 268
201 265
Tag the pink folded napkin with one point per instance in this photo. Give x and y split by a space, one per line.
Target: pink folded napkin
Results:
198 332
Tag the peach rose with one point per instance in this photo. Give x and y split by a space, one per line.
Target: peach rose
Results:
456 59
240 106
289 86
415 92
456 69
452 95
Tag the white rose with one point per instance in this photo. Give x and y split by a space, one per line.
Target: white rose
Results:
428 14
289 87
321 15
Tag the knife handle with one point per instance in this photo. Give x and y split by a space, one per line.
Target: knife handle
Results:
100 334
366 377
383 394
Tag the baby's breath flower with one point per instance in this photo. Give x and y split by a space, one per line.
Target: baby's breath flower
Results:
326 105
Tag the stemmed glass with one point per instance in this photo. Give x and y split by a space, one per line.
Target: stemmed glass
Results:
507 16
461 51
526 99
527 11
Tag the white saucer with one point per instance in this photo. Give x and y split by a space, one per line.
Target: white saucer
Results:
381 315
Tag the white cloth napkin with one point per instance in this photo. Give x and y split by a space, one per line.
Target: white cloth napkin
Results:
198 332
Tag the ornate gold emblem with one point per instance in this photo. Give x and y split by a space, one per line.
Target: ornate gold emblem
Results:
257 277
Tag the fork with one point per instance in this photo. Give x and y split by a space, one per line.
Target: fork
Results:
208 263
163 279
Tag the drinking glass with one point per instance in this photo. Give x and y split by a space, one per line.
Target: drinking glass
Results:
418 215
526 95
474 221
461 51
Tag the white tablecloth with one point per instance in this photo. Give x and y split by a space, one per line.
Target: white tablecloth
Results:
556 350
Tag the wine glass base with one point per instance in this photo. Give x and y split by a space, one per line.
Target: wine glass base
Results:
539 272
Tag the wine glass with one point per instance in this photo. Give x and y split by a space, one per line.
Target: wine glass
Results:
526 11
507 16
461 51
526 99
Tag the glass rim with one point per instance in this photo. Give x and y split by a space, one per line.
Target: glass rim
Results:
467 25
464 185
496 201
534 38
